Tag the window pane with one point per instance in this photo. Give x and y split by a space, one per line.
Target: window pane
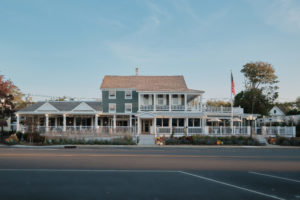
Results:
166 122
191 122
128 94
174 122
128 107
181 122
112 94
196 122
158 122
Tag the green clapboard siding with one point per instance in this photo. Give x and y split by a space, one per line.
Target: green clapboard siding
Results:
120 101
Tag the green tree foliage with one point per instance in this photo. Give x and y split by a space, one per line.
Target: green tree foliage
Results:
261 75
262 103
260 88
298 103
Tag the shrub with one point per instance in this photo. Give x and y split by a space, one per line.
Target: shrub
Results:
11 140
171 141
19 135
34 137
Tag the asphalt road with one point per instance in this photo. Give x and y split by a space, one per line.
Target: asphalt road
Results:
149 173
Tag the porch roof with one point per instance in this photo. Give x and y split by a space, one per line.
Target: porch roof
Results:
63 106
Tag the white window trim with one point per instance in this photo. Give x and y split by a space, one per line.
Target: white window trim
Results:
128 104
109 108
130 95
109 97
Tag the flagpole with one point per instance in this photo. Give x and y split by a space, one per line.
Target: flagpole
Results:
231 123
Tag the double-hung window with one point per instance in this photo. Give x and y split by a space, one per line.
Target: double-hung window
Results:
128 107
112 94
112 108
128 94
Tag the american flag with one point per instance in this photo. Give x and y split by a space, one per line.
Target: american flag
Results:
232 85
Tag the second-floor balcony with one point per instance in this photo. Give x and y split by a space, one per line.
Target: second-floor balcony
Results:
192 108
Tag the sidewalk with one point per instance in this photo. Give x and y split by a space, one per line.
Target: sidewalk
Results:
144 146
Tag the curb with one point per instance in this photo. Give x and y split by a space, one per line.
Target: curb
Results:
149 146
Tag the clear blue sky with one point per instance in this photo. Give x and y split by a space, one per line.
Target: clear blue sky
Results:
60 47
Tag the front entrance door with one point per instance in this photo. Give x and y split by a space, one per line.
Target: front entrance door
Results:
146 126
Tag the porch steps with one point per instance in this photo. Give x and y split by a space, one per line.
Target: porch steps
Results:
146 140
261 139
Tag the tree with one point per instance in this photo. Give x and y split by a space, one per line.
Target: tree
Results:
6 101
260 87
298 103
261 75
262 102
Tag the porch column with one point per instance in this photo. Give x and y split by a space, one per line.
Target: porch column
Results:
130 120
186 125
96 121
74 122
115 121
203 125
154 103
170 102
185 102
139 126
47 122
64 122
170 125
154 126
18 122
55 121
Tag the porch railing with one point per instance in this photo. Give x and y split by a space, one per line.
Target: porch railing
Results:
162 107
146 107
177 107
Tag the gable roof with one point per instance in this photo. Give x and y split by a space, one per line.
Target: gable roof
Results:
147 83
62 106
281 109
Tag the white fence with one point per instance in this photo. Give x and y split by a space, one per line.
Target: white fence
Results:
207 130
272 131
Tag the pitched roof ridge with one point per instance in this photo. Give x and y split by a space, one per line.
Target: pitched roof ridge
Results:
143 75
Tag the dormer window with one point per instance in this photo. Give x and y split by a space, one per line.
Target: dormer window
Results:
274 111
112 94
128 94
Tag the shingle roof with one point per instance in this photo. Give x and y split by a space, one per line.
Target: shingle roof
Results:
63 105
147 83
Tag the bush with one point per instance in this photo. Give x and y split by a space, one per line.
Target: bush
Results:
34 137
287 141
171 141
19 135
207 140
11 140
126 140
